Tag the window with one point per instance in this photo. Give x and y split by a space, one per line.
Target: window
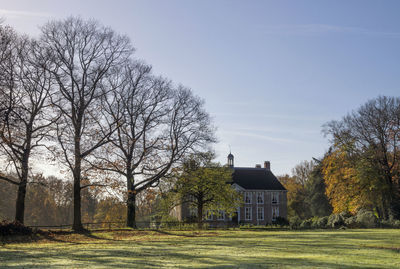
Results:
247 213
260 213
247 197
260 198
209 215
275 212
221 215
275 197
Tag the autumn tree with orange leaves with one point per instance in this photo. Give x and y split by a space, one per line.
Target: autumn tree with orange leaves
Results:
362 170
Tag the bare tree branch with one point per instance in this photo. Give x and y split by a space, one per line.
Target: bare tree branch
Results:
82 54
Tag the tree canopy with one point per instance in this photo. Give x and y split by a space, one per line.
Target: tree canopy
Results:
364 160
205 186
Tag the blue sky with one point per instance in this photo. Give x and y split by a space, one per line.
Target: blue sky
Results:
271 72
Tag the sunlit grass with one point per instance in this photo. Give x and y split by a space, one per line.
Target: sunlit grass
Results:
209 249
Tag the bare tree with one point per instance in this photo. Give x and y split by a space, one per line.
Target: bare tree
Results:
82 54
302 171
25 89
157 126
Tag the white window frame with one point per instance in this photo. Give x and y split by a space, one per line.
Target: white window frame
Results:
275 195
260 210
260 194
221 215
247 210
276 212
248 195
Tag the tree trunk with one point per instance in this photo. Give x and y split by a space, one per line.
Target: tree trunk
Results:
77 224
385 208
131 203
200 216
20 202
378 211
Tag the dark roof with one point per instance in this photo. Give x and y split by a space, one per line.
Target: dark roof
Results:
256 179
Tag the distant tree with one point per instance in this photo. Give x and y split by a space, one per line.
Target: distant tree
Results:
146 203
296 197
82 53
8 192
61 191
316 199
110 209
302 171
206 187
25 88
372 133
306 196
47 203
41 207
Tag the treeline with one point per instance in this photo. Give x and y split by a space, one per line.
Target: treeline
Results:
359 173
49 203
77 97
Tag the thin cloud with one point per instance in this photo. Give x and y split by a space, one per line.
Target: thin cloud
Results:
21 13
272 116
318 29
280 130
258 136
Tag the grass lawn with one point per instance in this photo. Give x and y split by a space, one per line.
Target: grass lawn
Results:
373 248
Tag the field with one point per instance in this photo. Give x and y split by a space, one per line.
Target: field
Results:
374 248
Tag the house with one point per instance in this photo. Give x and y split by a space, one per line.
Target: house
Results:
264 197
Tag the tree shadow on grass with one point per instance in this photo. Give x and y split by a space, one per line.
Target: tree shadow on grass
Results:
56 236
197 233
214 252
162 257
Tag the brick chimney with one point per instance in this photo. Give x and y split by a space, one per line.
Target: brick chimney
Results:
267 165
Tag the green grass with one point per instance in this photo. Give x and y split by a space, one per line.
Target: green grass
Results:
373 248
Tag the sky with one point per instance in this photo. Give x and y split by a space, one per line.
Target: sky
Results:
271 73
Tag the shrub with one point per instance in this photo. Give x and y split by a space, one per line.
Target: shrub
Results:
335 221
351 222
319 223
168 221
345 215
245 225
314 223
14 228
306 224
322 222
390 223
281 221
294 223
366 219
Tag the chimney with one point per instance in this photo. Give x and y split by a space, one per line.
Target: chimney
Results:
258 165
267 165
